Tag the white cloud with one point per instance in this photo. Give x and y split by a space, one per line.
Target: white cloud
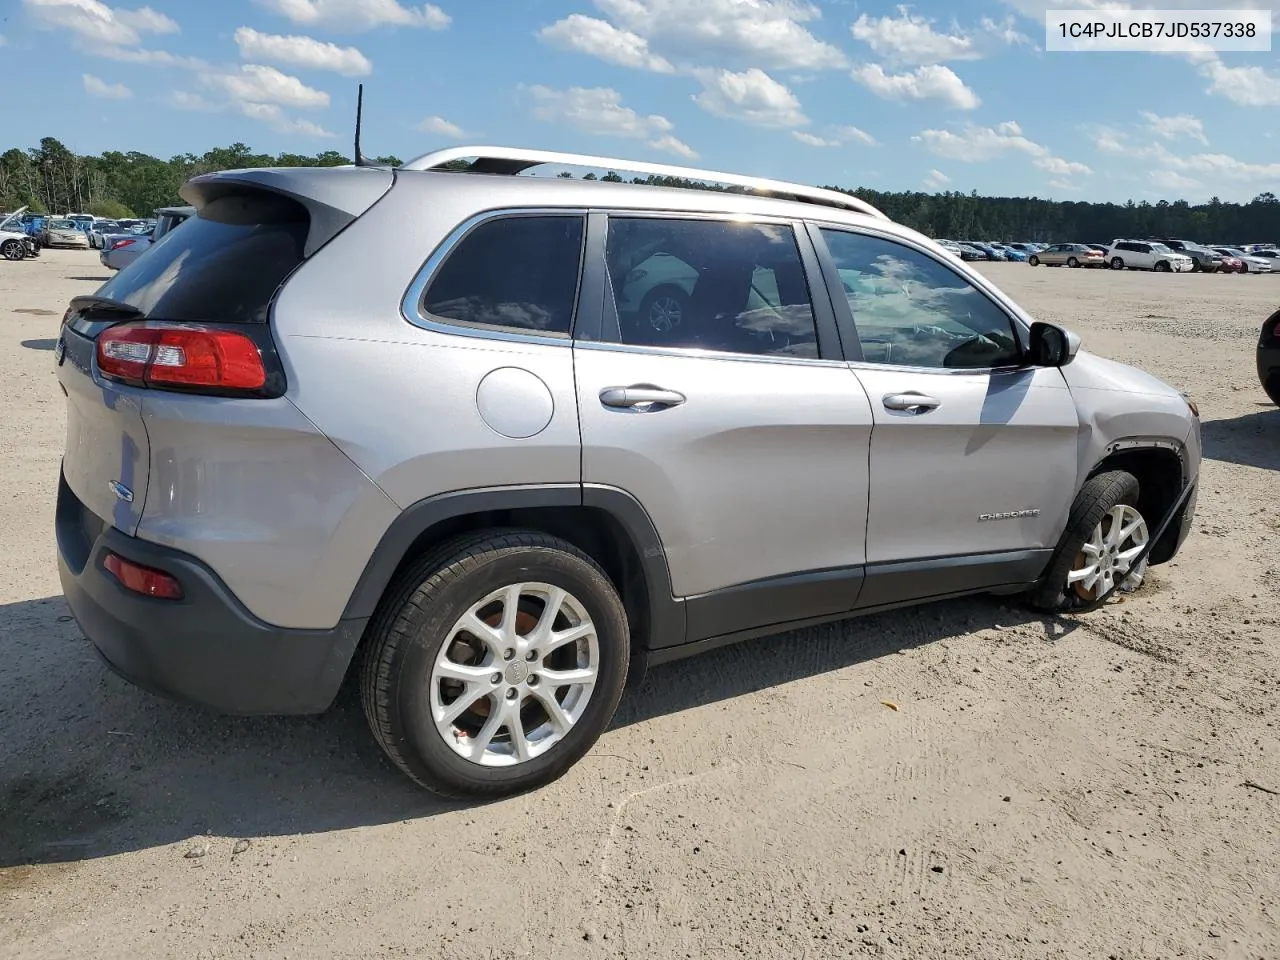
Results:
359 14
1064 185
4 41
751 96
670 144
258 84
303 52
1247 86
106 91
836 137
1170 180
1216 167
976 144
911 39
599 110
93 22
930 82
761 33
185 100
848 133
442 127
272 114
161 58
936 180
146 20
810 140
1061 168
603 40
1173 127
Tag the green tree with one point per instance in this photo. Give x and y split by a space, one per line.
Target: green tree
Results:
111 209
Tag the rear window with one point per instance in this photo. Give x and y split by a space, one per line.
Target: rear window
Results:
222 266
516 273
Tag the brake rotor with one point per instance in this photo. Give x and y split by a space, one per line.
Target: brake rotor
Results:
464 652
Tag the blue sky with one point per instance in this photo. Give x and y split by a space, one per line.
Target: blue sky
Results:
934 95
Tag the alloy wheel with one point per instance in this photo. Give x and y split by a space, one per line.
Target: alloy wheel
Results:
515 674
1108 556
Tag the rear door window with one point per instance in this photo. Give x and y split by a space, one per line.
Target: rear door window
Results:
726 286
222 266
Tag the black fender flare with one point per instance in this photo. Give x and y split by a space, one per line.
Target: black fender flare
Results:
666 613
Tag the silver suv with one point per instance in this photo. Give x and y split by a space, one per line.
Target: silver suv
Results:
426 425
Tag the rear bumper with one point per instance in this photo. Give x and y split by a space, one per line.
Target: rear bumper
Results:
206 648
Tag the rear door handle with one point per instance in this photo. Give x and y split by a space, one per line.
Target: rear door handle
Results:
911 401
641 396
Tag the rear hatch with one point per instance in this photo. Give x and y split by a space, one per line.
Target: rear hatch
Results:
190 316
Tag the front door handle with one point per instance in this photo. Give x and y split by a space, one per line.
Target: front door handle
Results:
911 401
641 396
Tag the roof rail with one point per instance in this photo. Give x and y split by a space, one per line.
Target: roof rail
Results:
513 160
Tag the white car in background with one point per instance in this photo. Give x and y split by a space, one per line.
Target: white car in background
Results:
14 242
1253 262
1147 255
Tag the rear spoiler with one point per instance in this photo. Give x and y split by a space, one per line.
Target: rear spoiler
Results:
333 196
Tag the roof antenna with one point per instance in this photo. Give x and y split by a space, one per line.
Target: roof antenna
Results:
359 117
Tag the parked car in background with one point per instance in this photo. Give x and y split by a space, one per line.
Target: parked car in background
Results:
1249 263
1267 253
1144 255
15 244
1269 357
1012 253
573 507
62 232
1203 259
1068 255
101 230
123 250
971 253
951 247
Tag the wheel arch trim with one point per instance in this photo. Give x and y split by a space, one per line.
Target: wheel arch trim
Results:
666 613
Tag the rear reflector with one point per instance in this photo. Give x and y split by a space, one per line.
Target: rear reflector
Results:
143 580
181 355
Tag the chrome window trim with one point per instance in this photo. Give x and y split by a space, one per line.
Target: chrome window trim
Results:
791 223
699 354
411 308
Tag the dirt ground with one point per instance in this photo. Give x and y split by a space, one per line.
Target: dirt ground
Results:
1046 787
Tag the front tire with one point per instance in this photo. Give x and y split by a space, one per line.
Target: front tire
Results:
1162 267
14 250
1105 533
495 663
1272 387
1117 263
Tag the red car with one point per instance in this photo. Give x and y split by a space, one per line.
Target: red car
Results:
1232 264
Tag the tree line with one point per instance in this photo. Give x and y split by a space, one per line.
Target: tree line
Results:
52 178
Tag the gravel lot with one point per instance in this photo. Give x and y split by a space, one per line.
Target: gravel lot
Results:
1045 787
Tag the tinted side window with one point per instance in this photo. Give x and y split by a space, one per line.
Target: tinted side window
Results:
223 266
516 273
912 310
711 285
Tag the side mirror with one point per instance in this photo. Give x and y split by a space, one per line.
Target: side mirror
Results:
1052 346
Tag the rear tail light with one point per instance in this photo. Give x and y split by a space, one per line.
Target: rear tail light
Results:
123 243
183 356
143 580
